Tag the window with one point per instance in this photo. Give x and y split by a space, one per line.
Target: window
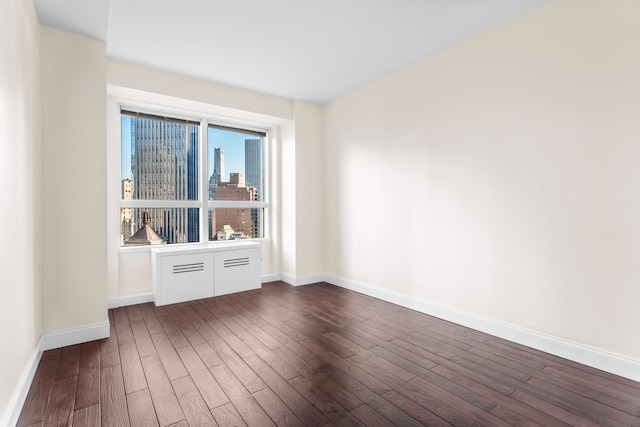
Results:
173 172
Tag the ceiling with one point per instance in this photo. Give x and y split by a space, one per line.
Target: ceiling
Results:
298 49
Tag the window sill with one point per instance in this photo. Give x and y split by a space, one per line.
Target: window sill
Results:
187 246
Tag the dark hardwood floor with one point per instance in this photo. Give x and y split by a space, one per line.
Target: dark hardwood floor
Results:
315 355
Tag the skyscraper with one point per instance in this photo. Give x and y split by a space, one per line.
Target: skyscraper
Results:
253 161
253 167
218 172
164 165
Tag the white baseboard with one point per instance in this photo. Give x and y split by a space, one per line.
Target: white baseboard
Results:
576 352
266 278
126 300
16 402
302 280
141 298
51 340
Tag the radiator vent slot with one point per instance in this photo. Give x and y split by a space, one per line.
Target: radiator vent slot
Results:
235 262
188 268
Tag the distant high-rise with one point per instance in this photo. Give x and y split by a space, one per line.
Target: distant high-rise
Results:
253 167
164 165
218 167
240 220
218 172
253 161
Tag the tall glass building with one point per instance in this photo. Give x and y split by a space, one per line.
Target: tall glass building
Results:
253 161
164 166
254 177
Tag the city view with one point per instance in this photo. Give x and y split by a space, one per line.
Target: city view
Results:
160 158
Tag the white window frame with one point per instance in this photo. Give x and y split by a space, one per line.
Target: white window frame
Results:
203 203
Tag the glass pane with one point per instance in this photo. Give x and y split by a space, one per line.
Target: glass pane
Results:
236 223
236 165
159 159
170 225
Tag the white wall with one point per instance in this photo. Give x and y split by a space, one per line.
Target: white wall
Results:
20 321
74 255
500 177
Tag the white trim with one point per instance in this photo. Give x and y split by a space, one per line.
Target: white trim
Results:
133 299
302 280
16 402
266 278
51 340
590 356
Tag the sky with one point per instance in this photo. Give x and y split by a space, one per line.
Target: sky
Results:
231 142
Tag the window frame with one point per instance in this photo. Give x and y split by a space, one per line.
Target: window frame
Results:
203 204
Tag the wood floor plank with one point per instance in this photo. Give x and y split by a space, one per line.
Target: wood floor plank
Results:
324 402
150 319
113 404
141 410
285 370
420 413
88 390
313 355
35 405
191 333
109 352
370 417
250 411
142 338
208 354
190 310
240 369
204 308
382 406
341 395
372 382
87 416
205 382
176 336
123 327
60 407
626 402
276 409
132 371
589 408
193 406
258 333
176 314
168 356
133 312
294 400
164 400
551 409
69 363
227 416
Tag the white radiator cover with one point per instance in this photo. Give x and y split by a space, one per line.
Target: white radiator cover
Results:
187 273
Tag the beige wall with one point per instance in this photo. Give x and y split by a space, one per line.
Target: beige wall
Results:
300 193
74 254
309 187
20 322
210 94
500 177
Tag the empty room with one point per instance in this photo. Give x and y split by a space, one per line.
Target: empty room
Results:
320 213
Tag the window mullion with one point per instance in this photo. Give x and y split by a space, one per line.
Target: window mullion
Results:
203 182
